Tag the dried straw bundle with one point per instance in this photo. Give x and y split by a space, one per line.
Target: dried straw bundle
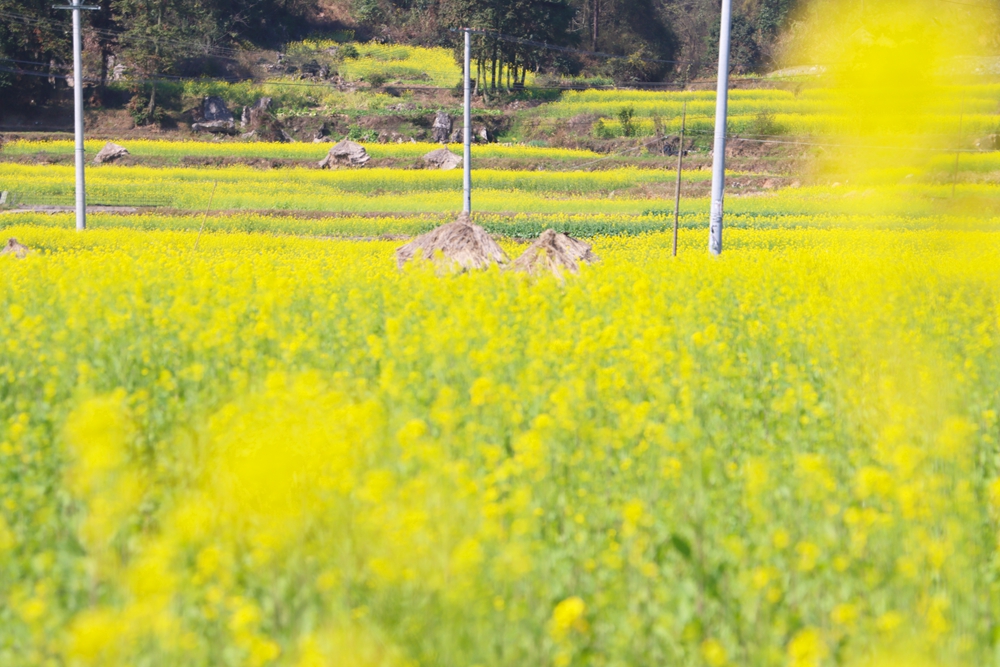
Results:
461 242
555 252
14 248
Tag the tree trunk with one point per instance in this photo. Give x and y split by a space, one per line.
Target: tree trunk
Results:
152 100
156 59
493 74
105 54
596 29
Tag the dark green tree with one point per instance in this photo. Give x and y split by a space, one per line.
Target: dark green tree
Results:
634 29
158 34
499 54
33 38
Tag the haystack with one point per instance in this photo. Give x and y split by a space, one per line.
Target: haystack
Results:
14 248
460 242
554 252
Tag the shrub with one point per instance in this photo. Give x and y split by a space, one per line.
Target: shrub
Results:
625 118
602 131
764 124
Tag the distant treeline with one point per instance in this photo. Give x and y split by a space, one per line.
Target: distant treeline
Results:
191 37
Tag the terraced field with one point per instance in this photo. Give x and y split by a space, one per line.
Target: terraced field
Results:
233 432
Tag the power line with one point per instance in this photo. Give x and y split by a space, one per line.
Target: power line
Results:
219 51
566 49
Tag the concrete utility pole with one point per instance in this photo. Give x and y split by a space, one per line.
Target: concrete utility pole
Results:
467 154
81 192
680 164
719 154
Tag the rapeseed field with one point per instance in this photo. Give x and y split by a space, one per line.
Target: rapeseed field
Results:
284 451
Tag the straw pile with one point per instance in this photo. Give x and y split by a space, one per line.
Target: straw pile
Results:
461 243
14 248
554 252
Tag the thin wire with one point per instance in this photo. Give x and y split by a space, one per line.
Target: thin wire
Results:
566 49
219 51
832 145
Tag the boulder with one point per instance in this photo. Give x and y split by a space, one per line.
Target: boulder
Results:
215 127
485 135
110 153
442 159
441 130
215 117
213 108
346 153
322 134
261 124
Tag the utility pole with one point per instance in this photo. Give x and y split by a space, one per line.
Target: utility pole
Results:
467 152
81 192
680 164
719 154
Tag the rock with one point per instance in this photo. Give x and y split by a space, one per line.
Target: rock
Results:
442 159
322 134
262 124
402 106
110 153
457 136
215 127
441 129
485 135
213 108
347 153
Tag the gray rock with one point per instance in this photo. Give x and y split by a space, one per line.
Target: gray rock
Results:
442 159
110 153
346 153
213 108
215 127
259 122
441 130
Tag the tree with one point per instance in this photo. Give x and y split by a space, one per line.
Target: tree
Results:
158 34
755 31
33 38
506 22
634 29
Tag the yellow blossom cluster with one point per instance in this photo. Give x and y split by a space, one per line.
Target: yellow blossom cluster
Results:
284 451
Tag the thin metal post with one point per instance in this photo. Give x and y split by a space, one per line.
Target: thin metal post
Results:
467 153
719 155
81 192
680 162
